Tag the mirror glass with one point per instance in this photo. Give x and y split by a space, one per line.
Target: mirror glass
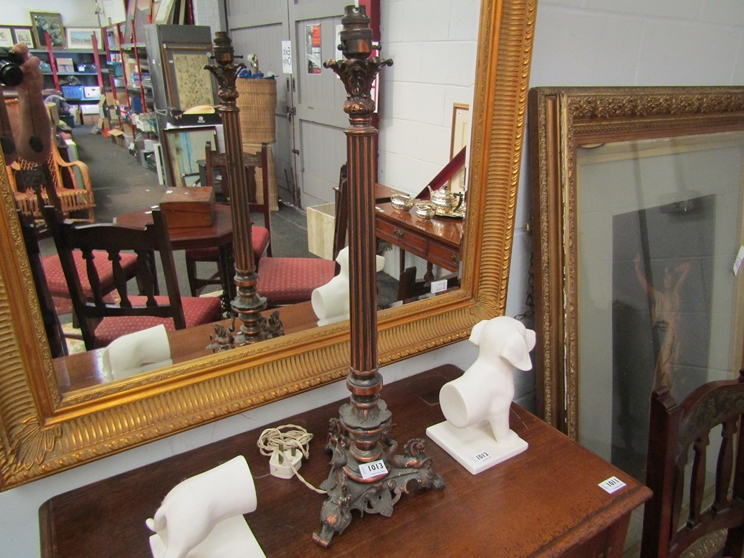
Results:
422 159
49 430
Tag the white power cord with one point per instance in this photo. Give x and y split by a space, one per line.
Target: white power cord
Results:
286 449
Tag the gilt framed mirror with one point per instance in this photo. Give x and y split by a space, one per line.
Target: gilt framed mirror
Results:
637 203
45 431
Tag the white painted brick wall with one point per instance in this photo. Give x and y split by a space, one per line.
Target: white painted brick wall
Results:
577 42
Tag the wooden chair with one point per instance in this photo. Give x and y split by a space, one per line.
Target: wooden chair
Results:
260 236
72 195
291 280
103 322
676 431
52 325
71 189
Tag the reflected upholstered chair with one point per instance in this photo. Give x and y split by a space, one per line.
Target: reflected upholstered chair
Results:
678 516
291 280
102 322
260 236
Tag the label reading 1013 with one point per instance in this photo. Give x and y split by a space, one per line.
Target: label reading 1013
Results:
481 457
373 469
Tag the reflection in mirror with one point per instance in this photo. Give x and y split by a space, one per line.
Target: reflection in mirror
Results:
49 430
421 252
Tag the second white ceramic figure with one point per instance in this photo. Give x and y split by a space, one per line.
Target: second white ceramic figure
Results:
477 404
331 301
202 517
137 352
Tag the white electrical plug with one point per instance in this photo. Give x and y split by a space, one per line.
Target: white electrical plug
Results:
279 463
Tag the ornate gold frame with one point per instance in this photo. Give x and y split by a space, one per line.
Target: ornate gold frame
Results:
560 120
45 432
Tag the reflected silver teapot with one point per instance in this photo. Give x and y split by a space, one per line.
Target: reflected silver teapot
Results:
444 200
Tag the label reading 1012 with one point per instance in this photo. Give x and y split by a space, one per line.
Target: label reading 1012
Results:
373 469
481 457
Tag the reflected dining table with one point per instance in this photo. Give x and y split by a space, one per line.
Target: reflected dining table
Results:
219 235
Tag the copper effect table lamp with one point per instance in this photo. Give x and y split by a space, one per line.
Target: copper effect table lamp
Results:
247 304
356 439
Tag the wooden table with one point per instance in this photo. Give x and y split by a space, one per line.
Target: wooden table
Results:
543 502
218 235
435 240
81 370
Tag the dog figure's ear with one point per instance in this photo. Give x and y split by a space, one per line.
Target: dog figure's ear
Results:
516 349
477 331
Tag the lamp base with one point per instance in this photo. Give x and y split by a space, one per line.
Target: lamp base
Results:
474 447
347 490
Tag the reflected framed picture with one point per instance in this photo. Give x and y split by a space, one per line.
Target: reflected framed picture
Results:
82 37
185 147
24 35
637 218
187 84
48 23
6 37
460 139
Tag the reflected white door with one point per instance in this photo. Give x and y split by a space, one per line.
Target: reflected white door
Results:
318 95
259 27
310 146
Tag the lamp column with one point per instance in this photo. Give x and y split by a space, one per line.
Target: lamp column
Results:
366 474
247 304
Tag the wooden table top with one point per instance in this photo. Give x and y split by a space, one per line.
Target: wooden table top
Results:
81 370
542 502
218 234
446 230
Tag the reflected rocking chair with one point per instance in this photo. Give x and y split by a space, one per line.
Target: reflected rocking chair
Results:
65 185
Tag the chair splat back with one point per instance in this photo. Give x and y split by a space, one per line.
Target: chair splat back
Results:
108 240
672 523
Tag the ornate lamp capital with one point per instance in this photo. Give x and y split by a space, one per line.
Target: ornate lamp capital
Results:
226 71
358 70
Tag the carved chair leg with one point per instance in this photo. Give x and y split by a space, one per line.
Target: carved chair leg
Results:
191 273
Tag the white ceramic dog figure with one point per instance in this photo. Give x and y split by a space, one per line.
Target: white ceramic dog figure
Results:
482 396
331 301
202 517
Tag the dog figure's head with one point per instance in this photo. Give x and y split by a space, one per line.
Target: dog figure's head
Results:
504 337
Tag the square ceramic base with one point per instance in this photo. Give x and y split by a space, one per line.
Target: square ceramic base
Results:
466 444
231 538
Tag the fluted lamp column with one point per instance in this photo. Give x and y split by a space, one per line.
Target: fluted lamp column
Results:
248 304
366 473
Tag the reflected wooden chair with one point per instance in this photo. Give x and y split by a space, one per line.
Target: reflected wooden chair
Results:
260 236
67 187
102 322
292 280
52 326
671 523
